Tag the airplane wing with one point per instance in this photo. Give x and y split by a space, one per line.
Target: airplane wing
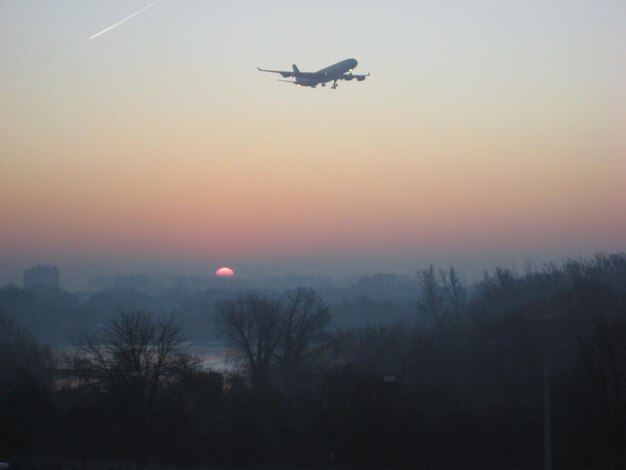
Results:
350 76
284 73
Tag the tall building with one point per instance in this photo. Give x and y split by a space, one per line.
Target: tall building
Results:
45 276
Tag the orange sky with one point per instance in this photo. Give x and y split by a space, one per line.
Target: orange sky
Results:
481 130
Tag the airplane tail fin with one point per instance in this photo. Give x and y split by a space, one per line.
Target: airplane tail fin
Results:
295 68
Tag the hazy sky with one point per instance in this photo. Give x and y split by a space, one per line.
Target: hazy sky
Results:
487 132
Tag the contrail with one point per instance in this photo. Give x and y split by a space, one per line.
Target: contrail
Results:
123 21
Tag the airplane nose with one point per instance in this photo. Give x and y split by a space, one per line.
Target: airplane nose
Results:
354 63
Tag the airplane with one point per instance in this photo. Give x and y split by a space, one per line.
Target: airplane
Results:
339 71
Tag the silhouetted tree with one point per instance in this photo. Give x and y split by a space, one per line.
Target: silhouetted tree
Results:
430 304
304 322
597 386
253 324
25 386
383 349
137 362
20 354
454 293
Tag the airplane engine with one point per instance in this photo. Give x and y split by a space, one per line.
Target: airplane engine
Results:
360 79
348 78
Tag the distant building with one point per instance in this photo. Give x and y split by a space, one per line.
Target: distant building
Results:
45 276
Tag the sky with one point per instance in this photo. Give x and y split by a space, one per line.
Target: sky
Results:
488 133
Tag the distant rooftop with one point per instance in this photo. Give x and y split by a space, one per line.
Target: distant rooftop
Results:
42 276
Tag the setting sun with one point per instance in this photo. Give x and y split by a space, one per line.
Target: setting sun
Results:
225 272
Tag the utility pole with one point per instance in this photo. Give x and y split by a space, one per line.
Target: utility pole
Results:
547 418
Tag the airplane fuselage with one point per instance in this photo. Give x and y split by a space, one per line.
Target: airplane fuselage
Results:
325 75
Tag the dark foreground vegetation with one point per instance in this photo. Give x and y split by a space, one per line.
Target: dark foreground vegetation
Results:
460 385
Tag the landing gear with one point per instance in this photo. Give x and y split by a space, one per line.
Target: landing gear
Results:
334 85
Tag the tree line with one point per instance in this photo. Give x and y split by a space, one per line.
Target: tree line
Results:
460 385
